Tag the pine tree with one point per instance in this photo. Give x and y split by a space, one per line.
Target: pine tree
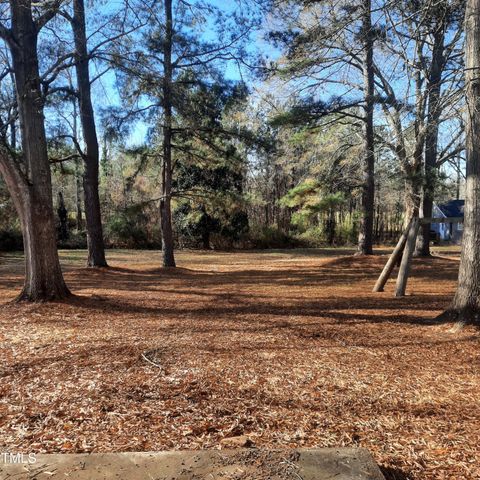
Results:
330 45
174 59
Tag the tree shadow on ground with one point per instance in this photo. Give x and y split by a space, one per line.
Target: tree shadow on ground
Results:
344 286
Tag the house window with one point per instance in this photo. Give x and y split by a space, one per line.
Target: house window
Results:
460 227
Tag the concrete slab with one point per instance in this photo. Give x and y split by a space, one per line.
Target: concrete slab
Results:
244 464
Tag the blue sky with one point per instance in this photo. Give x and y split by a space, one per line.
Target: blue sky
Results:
106 93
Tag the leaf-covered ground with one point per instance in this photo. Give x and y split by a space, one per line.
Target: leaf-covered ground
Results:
289 348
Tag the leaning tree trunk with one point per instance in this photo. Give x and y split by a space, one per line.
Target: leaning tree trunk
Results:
96 247
365 235
412 191
431 139
31 186
466 303
165 202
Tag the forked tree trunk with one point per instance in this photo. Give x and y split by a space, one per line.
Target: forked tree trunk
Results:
466 303
165 203
31 187
96 247
365 235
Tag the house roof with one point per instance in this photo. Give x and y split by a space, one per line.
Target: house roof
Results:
452 208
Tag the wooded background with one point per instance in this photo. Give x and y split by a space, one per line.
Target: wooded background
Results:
255 124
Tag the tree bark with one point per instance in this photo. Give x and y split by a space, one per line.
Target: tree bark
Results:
62 213
431 137
78 197
392 261
78 174
13 122
331 226
413 182
365 236
466 303
165 202
93 217
31 186
206 239
404 270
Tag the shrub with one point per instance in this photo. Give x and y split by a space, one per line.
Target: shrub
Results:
270 237
11 240
346 233
313 237
127 229
75 241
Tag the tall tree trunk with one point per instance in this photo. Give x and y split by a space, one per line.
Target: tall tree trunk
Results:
431 137
93 217
459 179
466 303
165 202
78 196
365 235
78 175
13 121
31 187
62 213
330 226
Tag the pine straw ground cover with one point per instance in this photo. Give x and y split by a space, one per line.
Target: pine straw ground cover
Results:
289 348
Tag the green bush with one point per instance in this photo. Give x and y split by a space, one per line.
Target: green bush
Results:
270 237
75 241
346 233
11 240
313 237
127 229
